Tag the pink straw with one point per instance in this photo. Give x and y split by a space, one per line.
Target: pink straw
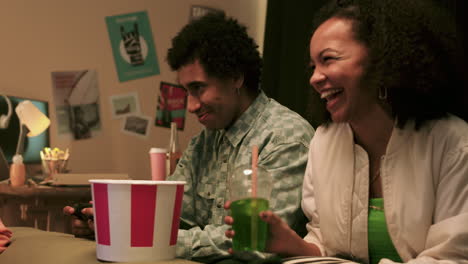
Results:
254 217
254 170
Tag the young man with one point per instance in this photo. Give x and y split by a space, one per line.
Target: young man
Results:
220 66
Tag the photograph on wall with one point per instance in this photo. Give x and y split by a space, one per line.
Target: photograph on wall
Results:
124 104
172 103
136 125
76 98
197 11
132 45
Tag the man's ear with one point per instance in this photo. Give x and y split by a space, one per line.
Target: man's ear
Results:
239 82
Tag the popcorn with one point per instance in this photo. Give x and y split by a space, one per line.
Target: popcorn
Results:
54 161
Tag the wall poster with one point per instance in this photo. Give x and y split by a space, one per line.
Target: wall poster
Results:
76 98
172 103
132 45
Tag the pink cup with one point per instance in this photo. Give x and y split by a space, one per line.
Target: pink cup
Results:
158 164
136 220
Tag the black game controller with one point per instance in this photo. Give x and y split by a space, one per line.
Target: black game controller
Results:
80 206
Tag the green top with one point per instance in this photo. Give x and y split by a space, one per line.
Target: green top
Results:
380 244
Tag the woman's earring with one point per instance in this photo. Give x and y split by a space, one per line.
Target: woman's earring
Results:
383 93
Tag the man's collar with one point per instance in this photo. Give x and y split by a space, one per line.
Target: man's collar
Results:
242 125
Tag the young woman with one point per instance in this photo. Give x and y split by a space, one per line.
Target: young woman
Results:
387 176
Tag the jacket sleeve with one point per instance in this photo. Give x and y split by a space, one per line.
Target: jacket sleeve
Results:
286 164
309 207
447 238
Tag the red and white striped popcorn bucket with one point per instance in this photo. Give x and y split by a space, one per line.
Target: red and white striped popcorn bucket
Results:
136 220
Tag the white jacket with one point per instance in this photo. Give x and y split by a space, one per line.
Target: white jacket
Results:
425 188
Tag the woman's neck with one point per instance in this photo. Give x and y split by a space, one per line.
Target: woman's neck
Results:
373 131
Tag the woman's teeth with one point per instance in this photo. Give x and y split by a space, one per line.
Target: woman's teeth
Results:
330 93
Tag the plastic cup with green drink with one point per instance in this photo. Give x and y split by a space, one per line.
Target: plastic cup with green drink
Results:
248 199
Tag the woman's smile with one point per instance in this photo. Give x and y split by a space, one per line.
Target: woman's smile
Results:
333 97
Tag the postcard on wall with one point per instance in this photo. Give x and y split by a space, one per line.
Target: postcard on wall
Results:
197 11
76 98
172 103
124 104
132 45
136 125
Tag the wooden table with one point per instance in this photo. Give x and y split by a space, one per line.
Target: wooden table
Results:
40 206
31 245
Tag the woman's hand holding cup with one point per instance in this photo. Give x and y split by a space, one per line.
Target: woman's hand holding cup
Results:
281 239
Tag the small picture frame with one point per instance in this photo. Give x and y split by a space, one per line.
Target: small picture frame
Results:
136 125
124 104
197 11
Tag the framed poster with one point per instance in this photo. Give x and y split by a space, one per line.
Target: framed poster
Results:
172 103
76 98
132 46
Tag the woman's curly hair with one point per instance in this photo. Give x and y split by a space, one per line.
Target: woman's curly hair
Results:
412 47
221 45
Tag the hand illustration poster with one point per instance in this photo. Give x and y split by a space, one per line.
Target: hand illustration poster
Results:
76 97
132 45
172 103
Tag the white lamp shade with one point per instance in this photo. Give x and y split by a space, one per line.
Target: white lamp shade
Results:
32 117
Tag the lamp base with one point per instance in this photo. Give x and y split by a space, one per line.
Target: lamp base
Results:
17 172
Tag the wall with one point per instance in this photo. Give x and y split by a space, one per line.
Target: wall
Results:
40 37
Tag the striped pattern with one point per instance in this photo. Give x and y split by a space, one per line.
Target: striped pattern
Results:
136 220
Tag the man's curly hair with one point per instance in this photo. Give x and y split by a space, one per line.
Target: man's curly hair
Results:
221 45
412 48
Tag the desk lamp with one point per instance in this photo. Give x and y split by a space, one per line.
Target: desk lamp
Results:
33 122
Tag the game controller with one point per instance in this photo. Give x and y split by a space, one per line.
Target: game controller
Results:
80 206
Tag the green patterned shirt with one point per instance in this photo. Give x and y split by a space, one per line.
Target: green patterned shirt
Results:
282 137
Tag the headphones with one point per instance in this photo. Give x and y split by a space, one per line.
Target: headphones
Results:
5 119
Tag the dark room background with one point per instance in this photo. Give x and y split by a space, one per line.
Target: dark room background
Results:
287 33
